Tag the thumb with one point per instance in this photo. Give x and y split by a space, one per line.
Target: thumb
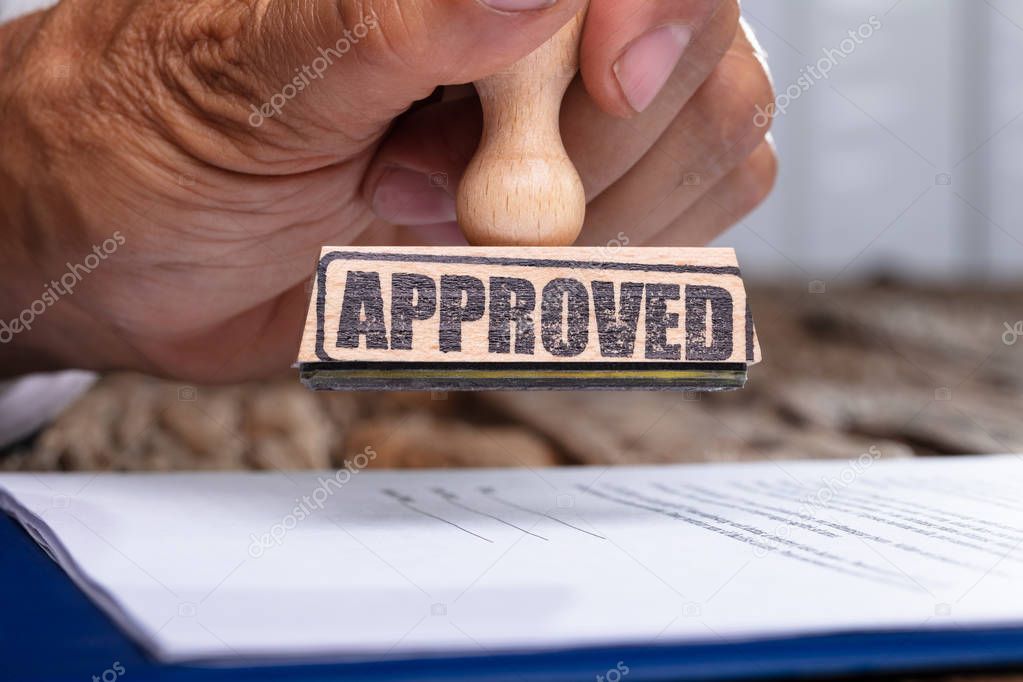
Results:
346 69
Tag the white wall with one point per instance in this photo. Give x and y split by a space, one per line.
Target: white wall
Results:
936 90
12 8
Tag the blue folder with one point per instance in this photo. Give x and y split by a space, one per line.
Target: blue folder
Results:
50 631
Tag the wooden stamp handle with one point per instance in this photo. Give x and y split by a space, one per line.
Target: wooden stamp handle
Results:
521 188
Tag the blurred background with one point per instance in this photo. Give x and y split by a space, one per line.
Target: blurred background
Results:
885 273
905 159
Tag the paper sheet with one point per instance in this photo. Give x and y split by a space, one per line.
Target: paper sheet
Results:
362 565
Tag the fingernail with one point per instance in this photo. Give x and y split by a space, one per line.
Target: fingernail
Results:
408 197
518 5
648 63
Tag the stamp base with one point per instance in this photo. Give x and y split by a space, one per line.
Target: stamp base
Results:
400 376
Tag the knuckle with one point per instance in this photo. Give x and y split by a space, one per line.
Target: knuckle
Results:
761 95
55 70
737 99
757 177
66 93
749 92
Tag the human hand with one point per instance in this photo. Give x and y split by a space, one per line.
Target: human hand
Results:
200 154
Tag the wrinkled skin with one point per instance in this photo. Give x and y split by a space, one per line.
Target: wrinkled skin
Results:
138 118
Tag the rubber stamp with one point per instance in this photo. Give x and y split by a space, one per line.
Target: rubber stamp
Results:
468 318
521 309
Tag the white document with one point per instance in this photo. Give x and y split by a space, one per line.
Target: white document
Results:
344 565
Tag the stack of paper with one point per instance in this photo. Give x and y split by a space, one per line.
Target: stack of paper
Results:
355 565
